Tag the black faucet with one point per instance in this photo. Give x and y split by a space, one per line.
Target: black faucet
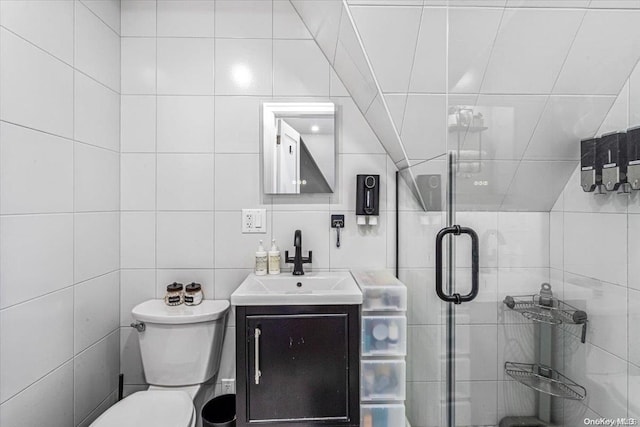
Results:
297 260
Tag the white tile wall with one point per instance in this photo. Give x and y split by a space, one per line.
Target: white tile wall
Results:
46 24
37 89
38 339
130 356
59 203
185 66
95 375
391 51
429 71
96 244
541 54
137 123
185 124
45 241
244 67
54 394
523 240
138 18
136 286
42 163
478 403
425 352
469 56
247 19
107 10
191 152
94 315
138 74
97 48
286 23
138 181
592 50
184 240
185 18
423 130
237 124
97 113
243 170
137 240
595 246
185 182
598 268
300 69
424 405
97 179
633 252
515 400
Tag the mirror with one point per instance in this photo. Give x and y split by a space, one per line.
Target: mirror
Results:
298 147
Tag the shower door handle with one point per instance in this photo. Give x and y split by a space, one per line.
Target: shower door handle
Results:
456 298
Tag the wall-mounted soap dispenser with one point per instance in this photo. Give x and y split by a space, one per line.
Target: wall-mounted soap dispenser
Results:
633 157
614 163
367 199
590 167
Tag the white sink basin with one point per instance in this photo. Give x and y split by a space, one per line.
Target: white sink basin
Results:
326 288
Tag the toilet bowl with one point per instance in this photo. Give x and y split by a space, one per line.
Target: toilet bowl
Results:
181 347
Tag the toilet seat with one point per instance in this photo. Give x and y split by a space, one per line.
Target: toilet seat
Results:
151 408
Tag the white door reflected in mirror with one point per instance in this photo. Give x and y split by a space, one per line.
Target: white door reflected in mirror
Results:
287 158
299 150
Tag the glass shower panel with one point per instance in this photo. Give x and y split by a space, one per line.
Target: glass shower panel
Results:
416 235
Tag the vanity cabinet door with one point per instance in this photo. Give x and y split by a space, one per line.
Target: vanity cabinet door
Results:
303 363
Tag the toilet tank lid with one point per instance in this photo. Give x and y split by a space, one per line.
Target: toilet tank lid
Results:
156 311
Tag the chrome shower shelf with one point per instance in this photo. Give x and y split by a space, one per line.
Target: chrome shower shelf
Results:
545 379
545 308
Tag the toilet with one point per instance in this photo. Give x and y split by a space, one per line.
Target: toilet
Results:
181 347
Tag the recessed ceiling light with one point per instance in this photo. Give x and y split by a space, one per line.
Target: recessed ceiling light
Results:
315 128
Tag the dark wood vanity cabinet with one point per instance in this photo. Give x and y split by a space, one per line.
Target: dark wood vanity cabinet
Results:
298 365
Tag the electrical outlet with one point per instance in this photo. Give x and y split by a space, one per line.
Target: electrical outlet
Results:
228 386
254 220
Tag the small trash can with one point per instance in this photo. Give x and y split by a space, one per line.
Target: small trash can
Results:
220 411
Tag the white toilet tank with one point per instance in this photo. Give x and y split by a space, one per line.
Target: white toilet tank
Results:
181 345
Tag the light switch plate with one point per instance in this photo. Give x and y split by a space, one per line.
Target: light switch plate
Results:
254 220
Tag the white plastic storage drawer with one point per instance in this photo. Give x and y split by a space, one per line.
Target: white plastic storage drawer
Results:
382 415
384 298
381 291
382 380
384 335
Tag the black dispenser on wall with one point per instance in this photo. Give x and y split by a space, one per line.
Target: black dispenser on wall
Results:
367 199
614 162
590 165
633 157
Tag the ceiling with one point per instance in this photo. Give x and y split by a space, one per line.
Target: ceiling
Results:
541 73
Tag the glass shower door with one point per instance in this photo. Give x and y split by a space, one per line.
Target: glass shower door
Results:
446 286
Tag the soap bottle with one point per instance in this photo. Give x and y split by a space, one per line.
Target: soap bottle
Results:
274 258
261 260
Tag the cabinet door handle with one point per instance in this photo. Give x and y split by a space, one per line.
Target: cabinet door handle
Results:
256 334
